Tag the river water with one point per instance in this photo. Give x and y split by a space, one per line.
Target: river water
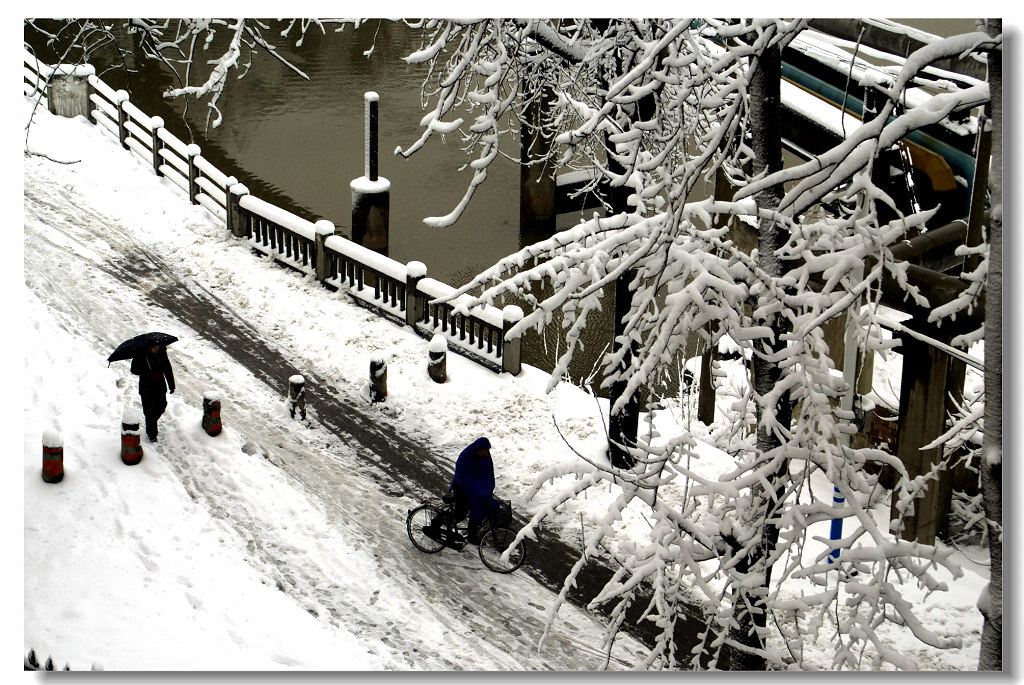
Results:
298 143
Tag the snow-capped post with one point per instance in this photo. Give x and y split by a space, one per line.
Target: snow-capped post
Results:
297 396
131 438
67 93
211 413
193 151
122 118
437 367
235 217
53 456
371 194
415 305
372 99
157 123
324 229
378 379
511 349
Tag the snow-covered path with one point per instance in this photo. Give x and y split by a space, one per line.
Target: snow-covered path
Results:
278 545
341 553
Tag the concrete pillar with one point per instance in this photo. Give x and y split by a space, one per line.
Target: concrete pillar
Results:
371 193
511 350
235 218
437 367
324 229
922 419
68 91
415 305
537 184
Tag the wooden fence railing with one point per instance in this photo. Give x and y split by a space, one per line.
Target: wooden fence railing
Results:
400 292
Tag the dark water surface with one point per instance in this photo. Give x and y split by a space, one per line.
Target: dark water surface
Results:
298 143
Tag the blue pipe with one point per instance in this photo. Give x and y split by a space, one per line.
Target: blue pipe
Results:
837 523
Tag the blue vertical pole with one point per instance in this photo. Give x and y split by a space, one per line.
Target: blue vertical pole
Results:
847 404
837 523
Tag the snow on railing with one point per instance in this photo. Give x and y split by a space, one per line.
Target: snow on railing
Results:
399 292
368 276
279 233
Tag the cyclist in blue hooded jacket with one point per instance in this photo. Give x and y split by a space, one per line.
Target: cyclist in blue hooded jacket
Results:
473 486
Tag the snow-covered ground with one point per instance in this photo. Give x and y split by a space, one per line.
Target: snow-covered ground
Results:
271 546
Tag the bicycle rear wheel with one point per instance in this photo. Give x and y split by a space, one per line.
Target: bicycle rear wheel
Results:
423 517
493 544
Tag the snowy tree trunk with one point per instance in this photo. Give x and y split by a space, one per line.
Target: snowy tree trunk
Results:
751 599
991 601
624 423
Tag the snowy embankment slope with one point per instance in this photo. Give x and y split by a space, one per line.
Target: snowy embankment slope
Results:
248 505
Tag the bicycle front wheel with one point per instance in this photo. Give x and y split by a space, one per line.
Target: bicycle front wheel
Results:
427 517
493 544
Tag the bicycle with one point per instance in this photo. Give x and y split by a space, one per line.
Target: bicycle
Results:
431 528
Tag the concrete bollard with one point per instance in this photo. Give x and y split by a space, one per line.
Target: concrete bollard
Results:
297 396
211 413
378 379
53 456
437 367
131 437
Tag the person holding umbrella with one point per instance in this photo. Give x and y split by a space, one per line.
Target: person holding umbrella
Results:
148 353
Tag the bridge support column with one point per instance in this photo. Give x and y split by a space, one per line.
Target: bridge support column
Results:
922 417
537 186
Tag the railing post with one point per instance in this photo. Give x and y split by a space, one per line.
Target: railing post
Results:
158 123
235 217
122 118
324 229
511 348
193 173
414 304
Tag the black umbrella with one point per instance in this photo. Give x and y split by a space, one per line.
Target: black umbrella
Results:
140 343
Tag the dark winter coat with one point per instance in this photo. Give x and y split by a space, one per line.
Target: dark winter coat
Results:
475 477
154 372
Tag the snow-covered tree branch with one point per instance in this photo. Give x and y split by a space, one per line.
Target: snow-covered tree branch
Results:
659 107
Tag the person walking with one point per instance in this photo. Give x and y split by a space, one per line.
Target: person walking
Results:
155 378
473 486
